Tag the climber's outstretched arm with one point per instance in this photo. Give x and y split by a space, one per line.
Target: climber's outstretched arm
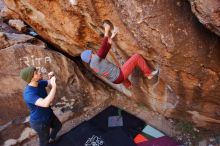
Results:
106 44
104 49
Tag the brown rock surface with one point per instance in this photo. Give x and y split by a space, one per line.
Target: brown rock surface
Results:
187 53
76 93
164 32
208 13
17 24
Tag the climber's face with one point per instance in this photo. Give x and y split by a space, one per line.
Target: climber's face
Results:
37 75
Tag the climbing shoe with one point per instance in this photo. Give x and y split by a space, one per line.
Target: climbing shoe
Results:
153 73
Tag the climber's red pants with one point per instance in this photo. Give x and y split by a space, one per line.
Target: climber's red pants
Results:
135 60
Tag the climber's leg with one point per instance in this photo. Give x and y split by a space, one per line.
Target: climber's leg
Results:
134 61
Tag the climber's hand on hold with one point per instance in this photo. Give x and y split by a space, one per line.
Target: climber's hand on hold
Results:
50 74
114 32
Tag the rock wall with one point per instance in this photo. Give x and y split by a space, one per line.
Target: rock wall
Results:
187 53
165 32
208 13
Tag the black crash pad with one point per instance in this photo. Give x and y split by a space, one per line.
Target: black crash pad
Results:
96 132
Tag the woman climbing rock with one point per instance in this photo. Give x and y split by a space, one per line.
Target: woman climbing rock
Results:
99 63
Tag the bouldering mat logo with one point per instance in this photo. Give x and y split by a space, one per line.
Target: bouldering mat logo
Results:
94 141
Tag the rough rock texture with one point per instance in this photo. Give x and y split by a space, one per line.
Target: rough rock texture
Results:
17 24
208 13
187 53
164 32
7 13
76 93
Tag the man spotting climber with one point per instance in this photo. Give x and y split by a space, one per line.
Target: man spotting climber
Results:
35 95
103 67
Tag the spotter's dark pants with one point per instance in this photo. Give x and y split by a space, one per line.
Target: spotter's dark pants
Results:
43 129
